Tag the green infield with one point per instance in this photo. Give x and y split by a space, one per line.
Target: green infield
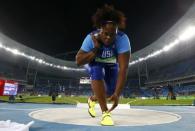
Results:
143 101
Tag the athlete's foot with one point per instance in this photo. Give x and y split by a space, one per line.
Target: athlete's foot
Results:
91 109
106 119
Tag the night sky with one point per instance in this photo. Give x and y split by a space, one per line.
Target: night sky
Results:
57 27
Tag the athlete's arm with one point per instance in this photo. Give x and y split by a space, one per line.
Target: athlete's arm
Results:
123 60
83 57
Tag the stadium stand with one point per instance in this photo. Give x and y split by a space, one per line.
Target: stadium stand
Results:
175 66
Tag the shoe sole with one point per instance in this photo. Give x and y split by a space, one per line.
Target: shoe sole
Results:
107 125
90 114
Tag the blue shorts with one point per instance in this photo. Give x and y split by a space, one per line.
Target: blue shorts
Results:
106 72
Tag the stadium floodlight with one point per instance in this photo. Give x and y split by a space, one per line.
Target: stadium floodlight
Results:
58 66
7 49
23 54
46 63
141 59
133 62
1 45
167 48
32 57
171 45
188 33
15 52
157 52
39 60
65 68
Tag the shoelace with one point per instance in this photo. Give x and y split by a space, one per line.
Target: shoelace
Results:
105 114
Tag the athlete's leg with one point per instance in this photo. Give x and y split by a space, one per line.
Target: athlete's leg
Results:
98 86
93 97
111 75
99 91
89 70
97 73
110 78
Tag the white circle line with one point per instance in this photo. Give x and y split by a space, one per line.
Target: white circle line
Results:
170 113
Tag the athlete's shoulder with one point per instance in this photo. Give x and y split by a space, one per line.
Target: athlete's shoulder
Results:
120 33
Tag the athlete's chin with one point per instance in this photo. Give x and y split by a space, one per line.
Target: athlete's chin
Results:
107 43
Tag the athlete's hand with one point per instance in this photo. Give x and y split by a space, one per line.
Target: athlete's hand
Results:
114 98
96 39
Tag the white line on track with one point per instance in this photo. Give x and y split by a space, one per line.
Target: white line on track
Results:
22 109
